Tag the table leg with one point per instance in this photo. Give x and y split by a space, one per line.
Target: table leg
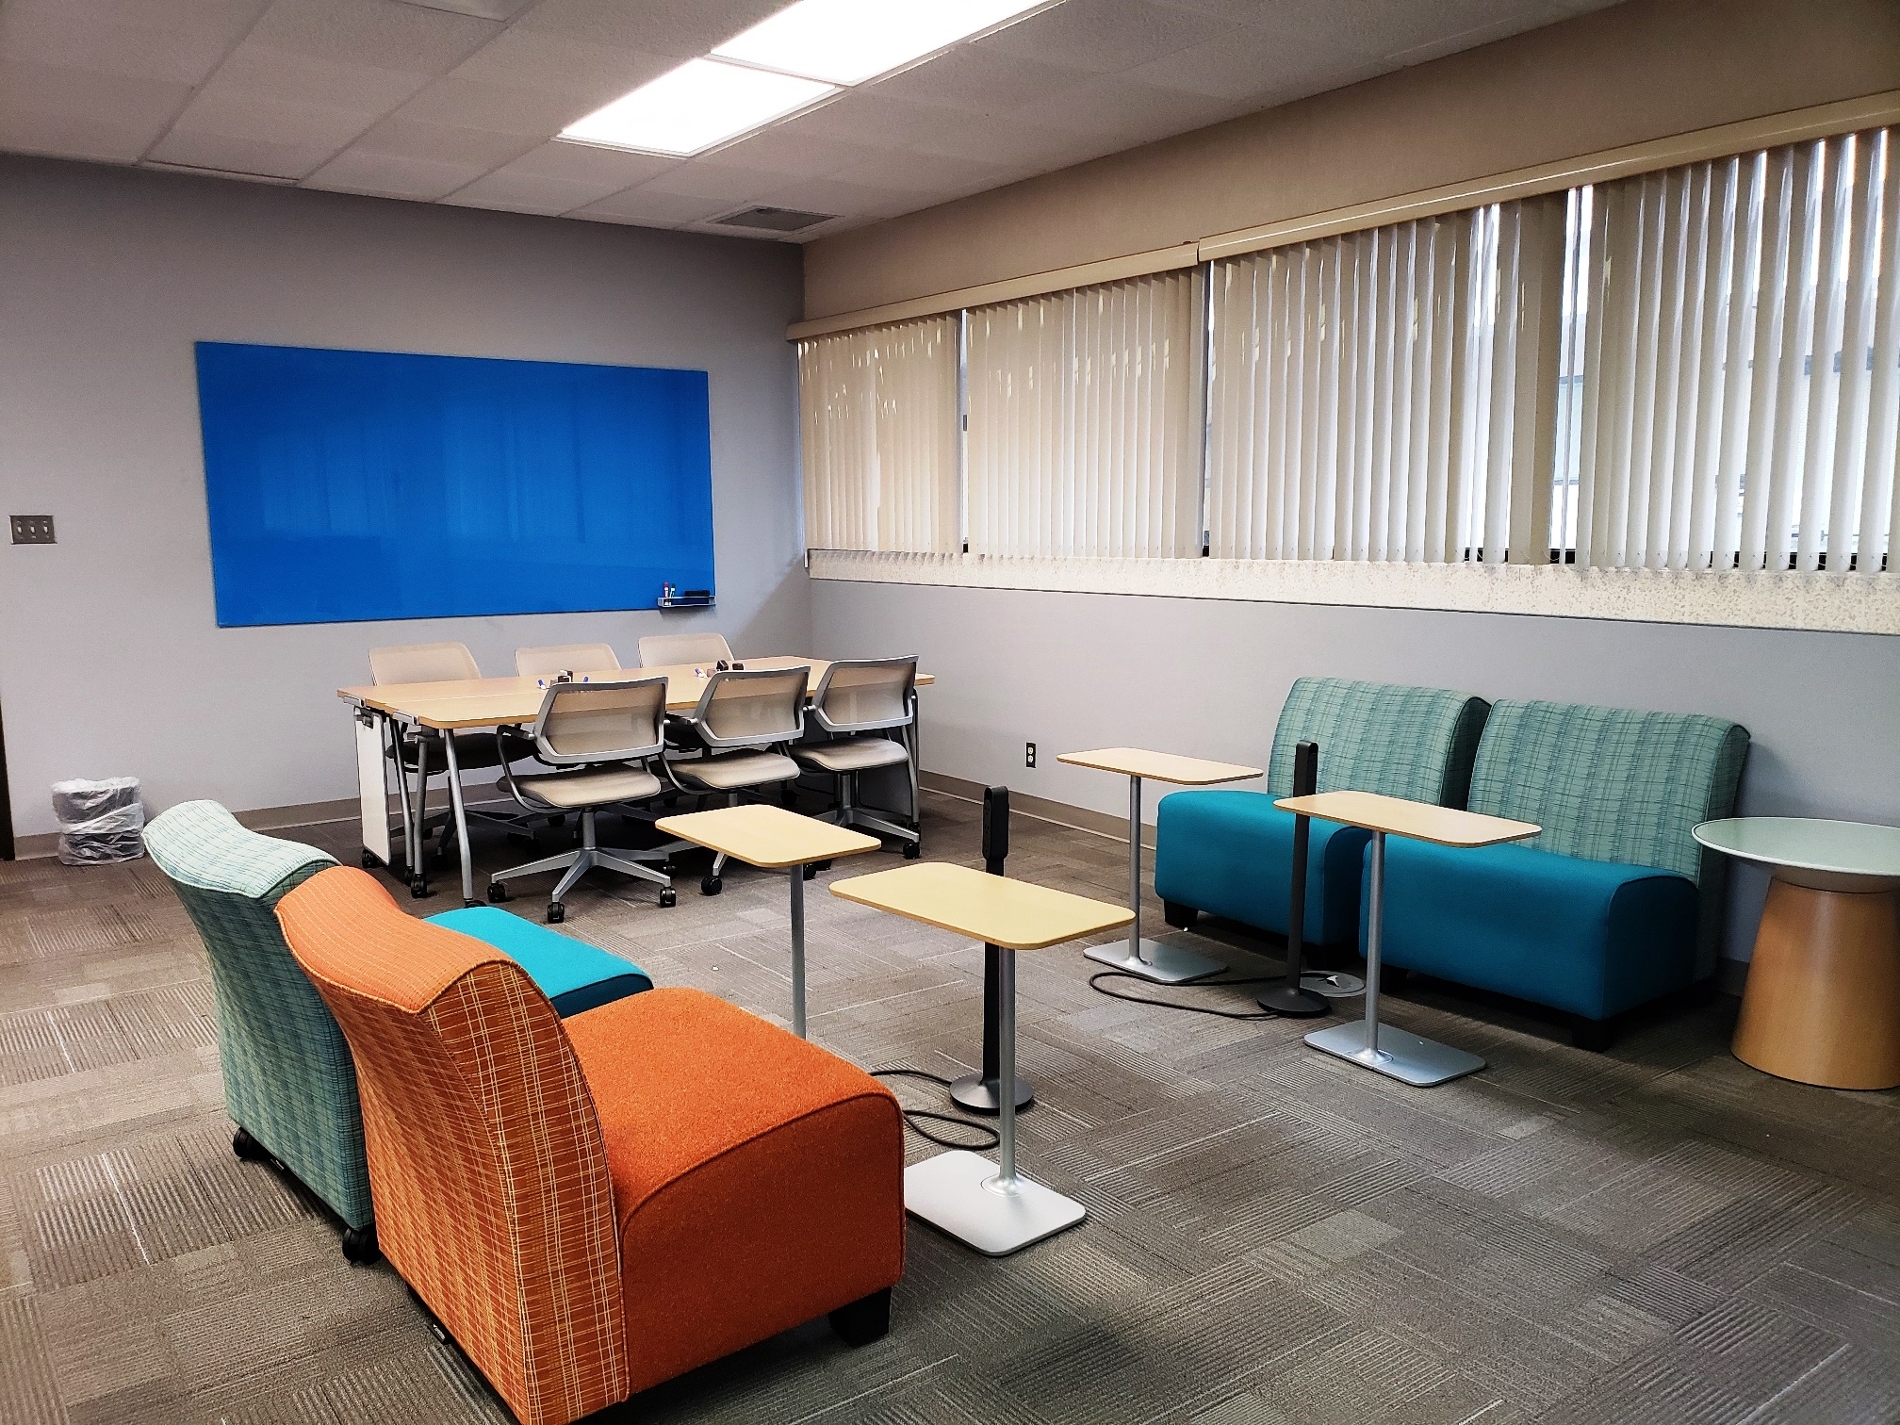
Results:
418 818
798 950
1150 959
1822 1003
461 818
989 1205
976 1093
1396 1053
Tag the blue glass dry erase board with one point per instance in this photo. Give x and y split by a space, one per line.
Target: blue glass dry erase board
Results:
352 485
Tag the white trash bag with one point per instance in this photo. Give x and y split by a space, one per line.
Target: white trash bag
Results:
99 822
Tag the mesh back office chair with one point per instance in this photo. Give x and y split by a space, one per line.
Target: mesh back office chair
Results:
659 650
857 701
600 735
744 720
564 657
418 752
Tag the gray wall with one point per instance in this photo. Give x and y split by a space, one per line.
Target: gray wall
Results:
1207 678
110 658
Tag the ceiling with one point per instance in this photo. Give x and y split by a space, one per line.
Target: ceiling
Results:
389 98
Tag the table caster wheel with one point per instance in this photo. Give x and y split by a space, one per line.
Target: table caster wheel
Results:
711 885
912 850
556 912
247 1147
359 1245
418 888
497 893
668 896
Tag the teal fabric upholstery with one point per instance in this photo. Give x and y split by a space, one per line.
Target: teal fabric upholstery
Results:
574 976
288 1077
1230 852
1592 938
1617 785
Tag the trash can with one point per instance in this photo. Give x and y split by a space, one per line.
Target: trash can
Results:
99 822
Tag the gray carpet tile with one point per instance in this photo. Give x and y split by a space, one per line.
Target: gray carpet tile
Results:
1656 1234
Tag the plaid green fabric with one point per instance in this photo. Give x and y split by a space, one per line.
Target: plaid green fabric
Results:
1614 784
288 1076
1400 741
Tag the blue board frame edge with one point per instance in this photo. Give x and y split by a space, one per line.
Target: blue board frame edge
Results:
350 486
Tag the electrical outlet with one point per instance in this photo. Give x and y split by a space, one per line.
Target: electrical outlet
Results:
1029 754
32 529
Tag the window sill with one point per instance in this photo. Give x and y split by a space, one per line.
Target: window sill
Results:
1839 603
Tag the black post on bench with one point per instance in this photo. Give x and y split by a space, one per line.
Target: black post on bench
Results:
1290 998
978 1092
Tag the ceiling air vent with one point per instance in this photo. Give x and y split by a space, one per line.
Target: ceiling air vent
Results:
773 220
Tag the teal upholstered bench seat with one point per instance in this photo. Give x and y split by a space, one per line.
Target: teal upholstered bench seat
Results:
1593 938
573 975
1242 849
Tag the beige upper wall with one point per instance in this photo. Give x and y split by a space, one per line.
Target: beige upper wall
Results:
1642 70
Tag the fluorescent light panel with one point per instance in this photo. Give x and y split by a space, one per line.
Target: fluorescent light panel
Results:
689 109
850 41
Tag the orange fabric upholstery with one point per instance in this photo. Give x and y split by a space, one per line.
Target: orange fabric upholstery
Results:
758 1179
595 1205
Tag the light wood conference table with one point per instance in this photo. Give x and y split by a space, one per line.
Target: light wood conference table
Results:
474 704
1150 959
1398 1053
959 1192
773 839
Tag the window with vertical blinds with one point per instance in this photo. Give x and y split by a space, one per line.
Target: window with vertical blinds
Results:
1084 422
878 420
1734 348
1381 395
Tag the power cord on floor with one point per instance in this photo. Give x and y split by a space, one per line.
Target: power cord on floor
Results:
911 1115
1095 983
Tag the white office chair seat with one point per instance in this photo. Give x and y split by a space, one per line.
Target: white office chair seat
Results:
735 771
594 787
851 754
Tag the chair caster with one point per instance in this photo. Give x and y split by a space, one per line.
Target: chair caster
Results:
711 885
247 1147
418 889
809 871
557 912
668 897
497 893
371 860
471 904
913 849
359 1245
864 1320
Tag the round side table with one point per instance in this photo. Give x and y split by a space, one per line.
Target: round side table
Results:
1822 1004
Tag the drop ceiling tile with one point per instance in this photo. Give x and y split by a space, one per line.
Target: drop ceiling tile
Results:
240 153
730 185
398 137
518 191
913 172
76 114
590 74
138 42
609 168
978 81
873 119
791 153
375 33
497 108
392 175
1117 112
828 195
266 72
648 207
681 28
1255 65
1003 140
1104 36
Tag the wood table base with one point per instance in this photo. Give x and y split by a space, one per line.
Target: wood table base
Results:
1822 1004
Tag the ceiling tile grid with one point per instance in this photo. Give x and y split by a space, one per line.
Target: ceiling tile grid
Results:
415 101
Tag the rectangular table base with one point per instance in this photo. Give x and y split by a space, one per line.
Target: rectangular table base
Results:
1164 964
1401 1055
951 1192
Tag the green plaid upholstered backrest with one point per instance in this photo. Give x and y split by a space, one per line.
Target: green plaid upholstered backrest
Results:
1609 784
288 1076
1399 741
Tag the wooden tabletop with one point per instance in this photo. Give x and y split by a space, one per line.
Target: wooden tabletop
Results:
1160 766
993 909
490 702
1419 820
766 836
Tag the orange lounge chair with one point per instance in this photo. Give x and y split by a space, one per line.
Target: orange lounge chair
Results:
594 1205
